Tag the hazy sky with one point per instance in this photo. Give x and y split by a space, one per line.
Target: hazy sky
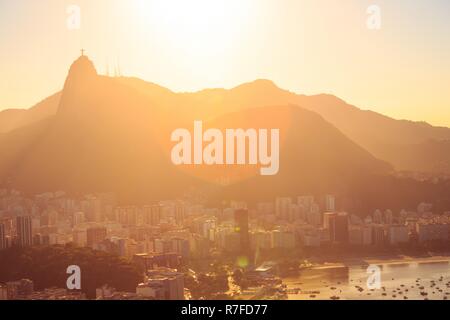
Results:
306 46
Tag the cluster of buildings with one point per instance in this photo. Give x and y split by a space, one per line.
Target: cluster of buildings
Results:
167 234
177 230
290 222
24 290
160 284
312 227
96 221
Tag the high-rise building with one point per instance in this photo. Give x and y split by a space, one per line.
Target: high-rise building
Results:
326 219
93 212
355 235
164 284
49 218
313 216
388 217
95 235
241 227
127 216
338 227
152 214
24 231
330 203
398 234
180 212
379 236
79 237
283 239
181 246
305 202
78 218
432 232
163 245
297 212
378 216
283 208
367 235
261 240
2 236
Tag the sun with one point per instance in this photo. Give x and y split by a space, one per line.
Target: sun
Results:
196 27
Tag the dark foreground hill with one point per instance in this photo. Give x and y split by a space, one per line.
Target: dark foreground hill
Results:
46 267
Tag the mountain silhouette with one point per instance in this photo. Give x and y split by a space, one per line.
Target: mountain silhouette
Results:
11 119
113 134
386 138
101 138
109 135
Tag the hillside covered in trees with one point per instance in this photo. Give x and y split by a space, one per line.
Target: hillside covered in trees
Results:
47 267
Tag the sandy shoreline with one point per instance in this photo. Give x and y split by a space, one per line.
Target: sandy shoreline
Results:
403 278
380 261
406 259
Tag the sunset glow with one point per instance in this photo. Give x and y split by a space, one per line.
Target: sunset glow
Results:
306 46
224 154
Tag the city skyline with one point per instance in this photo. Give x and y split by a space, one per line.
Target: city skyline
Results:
224 150
265 249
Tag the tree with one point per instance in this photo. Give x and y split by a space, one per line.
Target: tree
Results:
47 266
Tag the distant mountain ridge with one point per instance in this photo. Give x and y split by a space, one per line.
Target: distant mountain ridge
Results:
384 137
11 119
113 134
108 135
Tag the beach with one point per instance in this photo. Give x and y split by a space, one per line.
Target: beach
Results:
404 278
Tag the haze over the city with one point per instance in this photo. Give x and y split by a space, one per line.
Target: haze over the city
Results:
237 151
